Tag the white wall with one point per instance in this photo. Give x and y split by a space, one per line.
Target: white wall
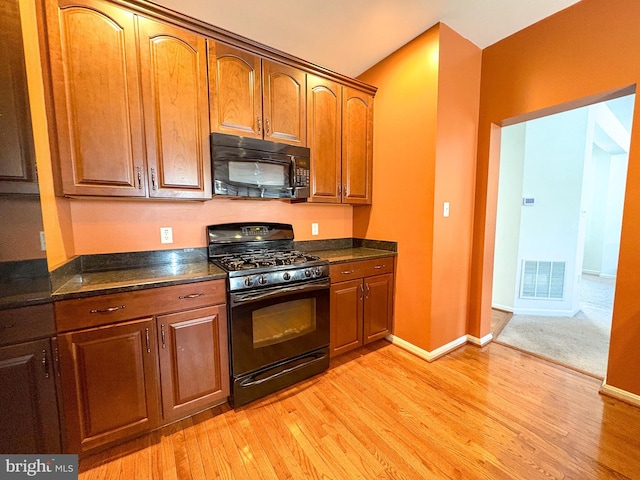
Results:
574 165
550 230
508 216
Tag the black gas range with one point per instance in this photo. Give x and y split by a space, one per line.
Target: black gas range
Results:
278 305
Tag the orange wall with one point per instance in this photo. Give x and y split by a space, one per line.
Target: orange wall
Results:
55 211
424 153
568 58
107 226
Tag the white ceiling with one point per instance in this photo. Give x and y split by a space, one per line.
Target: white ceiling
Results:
349 36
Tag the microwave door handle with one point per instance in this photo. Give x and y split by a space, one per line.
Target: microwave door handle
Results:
279 292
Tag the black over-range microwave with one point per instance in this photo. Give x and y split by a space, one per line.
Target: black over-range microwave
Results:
255 168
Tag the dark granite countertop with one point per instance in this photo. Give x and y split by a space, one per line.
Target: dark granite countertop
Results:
122 272
124 280
25 291
343 255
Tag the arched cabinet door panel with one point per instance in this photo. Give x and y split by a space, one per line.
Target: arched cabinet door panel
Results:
96 98
176 105
235 90
357 146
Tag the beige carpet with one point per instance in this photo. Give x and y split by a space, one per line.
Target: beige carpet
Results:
581 341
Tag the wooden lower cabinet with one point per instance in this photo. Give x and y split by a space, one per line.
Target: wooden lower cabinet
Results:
362 306
122 379
193 360
109 383
28 399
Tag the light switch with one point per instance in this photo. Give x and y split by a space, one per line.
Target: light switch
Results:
445 210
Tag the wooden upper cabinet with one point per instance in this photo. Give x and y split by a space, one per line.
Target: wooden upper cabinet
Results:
176 105
357 146
17 155
324 129
255 97
284 105
235 90
130 101
96 98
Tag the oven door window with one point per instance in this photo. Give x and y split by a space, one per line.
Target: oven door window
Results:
283 322
259 174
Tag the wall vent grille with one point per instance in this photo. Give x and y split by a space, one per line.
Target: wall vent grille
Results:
542 280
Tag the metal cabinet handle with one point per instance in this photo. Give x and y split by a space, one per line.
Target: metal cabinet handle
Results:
378 267
107 310
368 291
339 189
146 330
139 171
192 295
267 125
347 272
5 327
162 336
344 189
259 121
361 292
153 179
45 364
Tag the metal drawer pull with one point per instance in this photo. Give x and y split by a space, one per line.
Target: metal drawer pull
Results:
45 364
107 310
162 335
192 295
10 325
347 272
146 331
378 267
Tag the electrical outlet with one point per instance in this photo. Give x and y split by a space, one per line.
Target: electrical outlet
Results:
166 235
445 210
314 229
43 243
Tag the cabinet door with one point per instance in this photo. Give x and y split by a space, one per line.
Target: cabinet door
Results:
346 316
28 399
324 137
378 307
109 383
17 155
194 362
284 104
357 146
235 91
176 111
98 113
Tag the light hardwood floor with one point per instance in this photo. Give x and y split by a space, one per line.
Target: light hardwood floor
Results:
381 412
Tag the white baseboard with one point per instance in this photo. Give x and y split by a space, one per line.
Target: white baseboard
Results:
590 272
541 312
620 394
504 308
480 342
607 275
428 356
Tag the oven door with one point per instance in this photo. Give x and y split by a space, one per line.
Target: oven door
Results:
272 325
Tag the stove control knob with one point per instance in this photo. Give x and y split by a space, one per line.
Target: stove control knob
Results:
286 276
307 272
262 280
248 281
317 271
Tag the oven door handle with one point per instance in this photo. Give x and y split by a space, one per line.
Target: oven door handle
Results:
310 359
240 298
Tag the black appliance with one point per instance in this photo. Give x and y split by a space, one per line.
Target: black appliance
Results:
255 168
278 304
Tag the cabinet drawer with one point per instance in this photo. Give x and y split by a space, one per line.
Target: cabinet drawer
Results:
26 323
104 309
348 271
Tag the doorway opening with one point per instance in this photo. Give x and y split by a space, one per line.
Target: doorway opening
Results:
560 198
